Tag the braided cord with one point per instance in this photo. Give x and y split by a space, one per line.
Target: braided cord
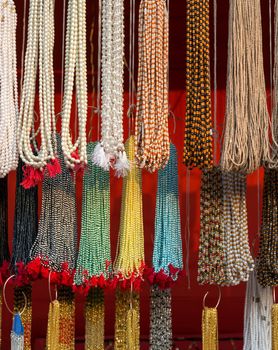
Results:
198 137
151 125
130 253
94 249
167 243
56 242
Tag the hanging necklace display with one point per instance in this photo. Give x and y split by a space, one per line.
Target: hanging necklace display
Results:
39 54
23 299
198 121
210 325
257 315
152 144
94 315
267 258
129 263
110 151
66 319
161 319
75 154
274 322
4 246
167 253
56 243
52 338
8 88
94 251
224 254
246 139
17 332
25 221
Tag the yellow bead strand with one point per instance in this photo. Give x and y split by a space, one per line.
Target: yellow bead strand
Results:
210 329
67 319
52 340
274 321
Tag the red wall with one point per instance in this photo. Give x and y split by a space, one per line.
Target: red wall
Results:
187 302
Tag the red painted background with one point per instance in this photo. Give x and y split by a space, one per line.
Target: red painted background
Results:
187 298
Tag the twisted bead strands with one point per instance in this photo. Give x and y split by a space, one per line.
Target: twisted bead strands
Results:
209 329
198 121
152 145
246 139
25 220
161 319
94 316
257 315
94 249
130 253
167 242
39 53
211 248
52 339
26 317
56 242
8 88
75 62
67 319
4 246
274 324
110 152
268 252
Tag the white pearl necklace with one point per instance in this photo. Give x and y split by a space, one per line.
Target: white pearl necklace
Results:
39 52
75 62
8 88
111 152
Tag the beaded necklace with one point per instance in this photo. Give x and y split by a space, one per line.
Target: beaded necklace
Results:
39 54
151 124
167 253
129 262
52 339
4 247
246 132
8 88
198 121
210 329
56 243
75 154
161 319
25 221
268 252
274 325
94 250
110 152
21 303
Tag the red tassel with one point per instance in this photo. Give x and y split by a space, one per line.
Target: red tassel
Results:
54 167
31 176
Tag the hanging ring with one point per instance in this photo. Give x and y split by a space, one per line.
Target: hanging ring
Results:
49 288
218 301
5 300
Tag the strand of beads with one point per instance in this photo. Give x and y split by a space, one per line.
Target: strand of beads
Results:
267 259
129 262
8 88
94 315
56 243
246 132
75 154
25 221
211 247
52 339
4 246
39 53
167 253
198 137
151 125
67 319
161 319
19 304
94 250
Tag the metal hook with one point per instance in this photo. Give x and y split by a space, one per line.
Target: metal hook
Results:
49 288
218 301
5 300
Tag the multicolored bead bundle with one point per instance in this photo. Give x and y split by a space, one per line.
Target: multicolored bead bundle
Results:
198 121
152 145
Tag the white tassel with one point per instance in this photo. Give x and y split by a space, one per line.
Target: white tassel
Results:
17 334
100 158
122 165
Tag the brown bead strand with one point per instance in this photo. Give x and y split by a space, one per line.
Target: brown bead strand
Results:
198 131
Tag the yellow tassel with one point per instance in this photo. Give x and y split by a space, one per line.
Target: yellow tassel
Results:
67 319
133 330
94 313
274 319
210 329
52 340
